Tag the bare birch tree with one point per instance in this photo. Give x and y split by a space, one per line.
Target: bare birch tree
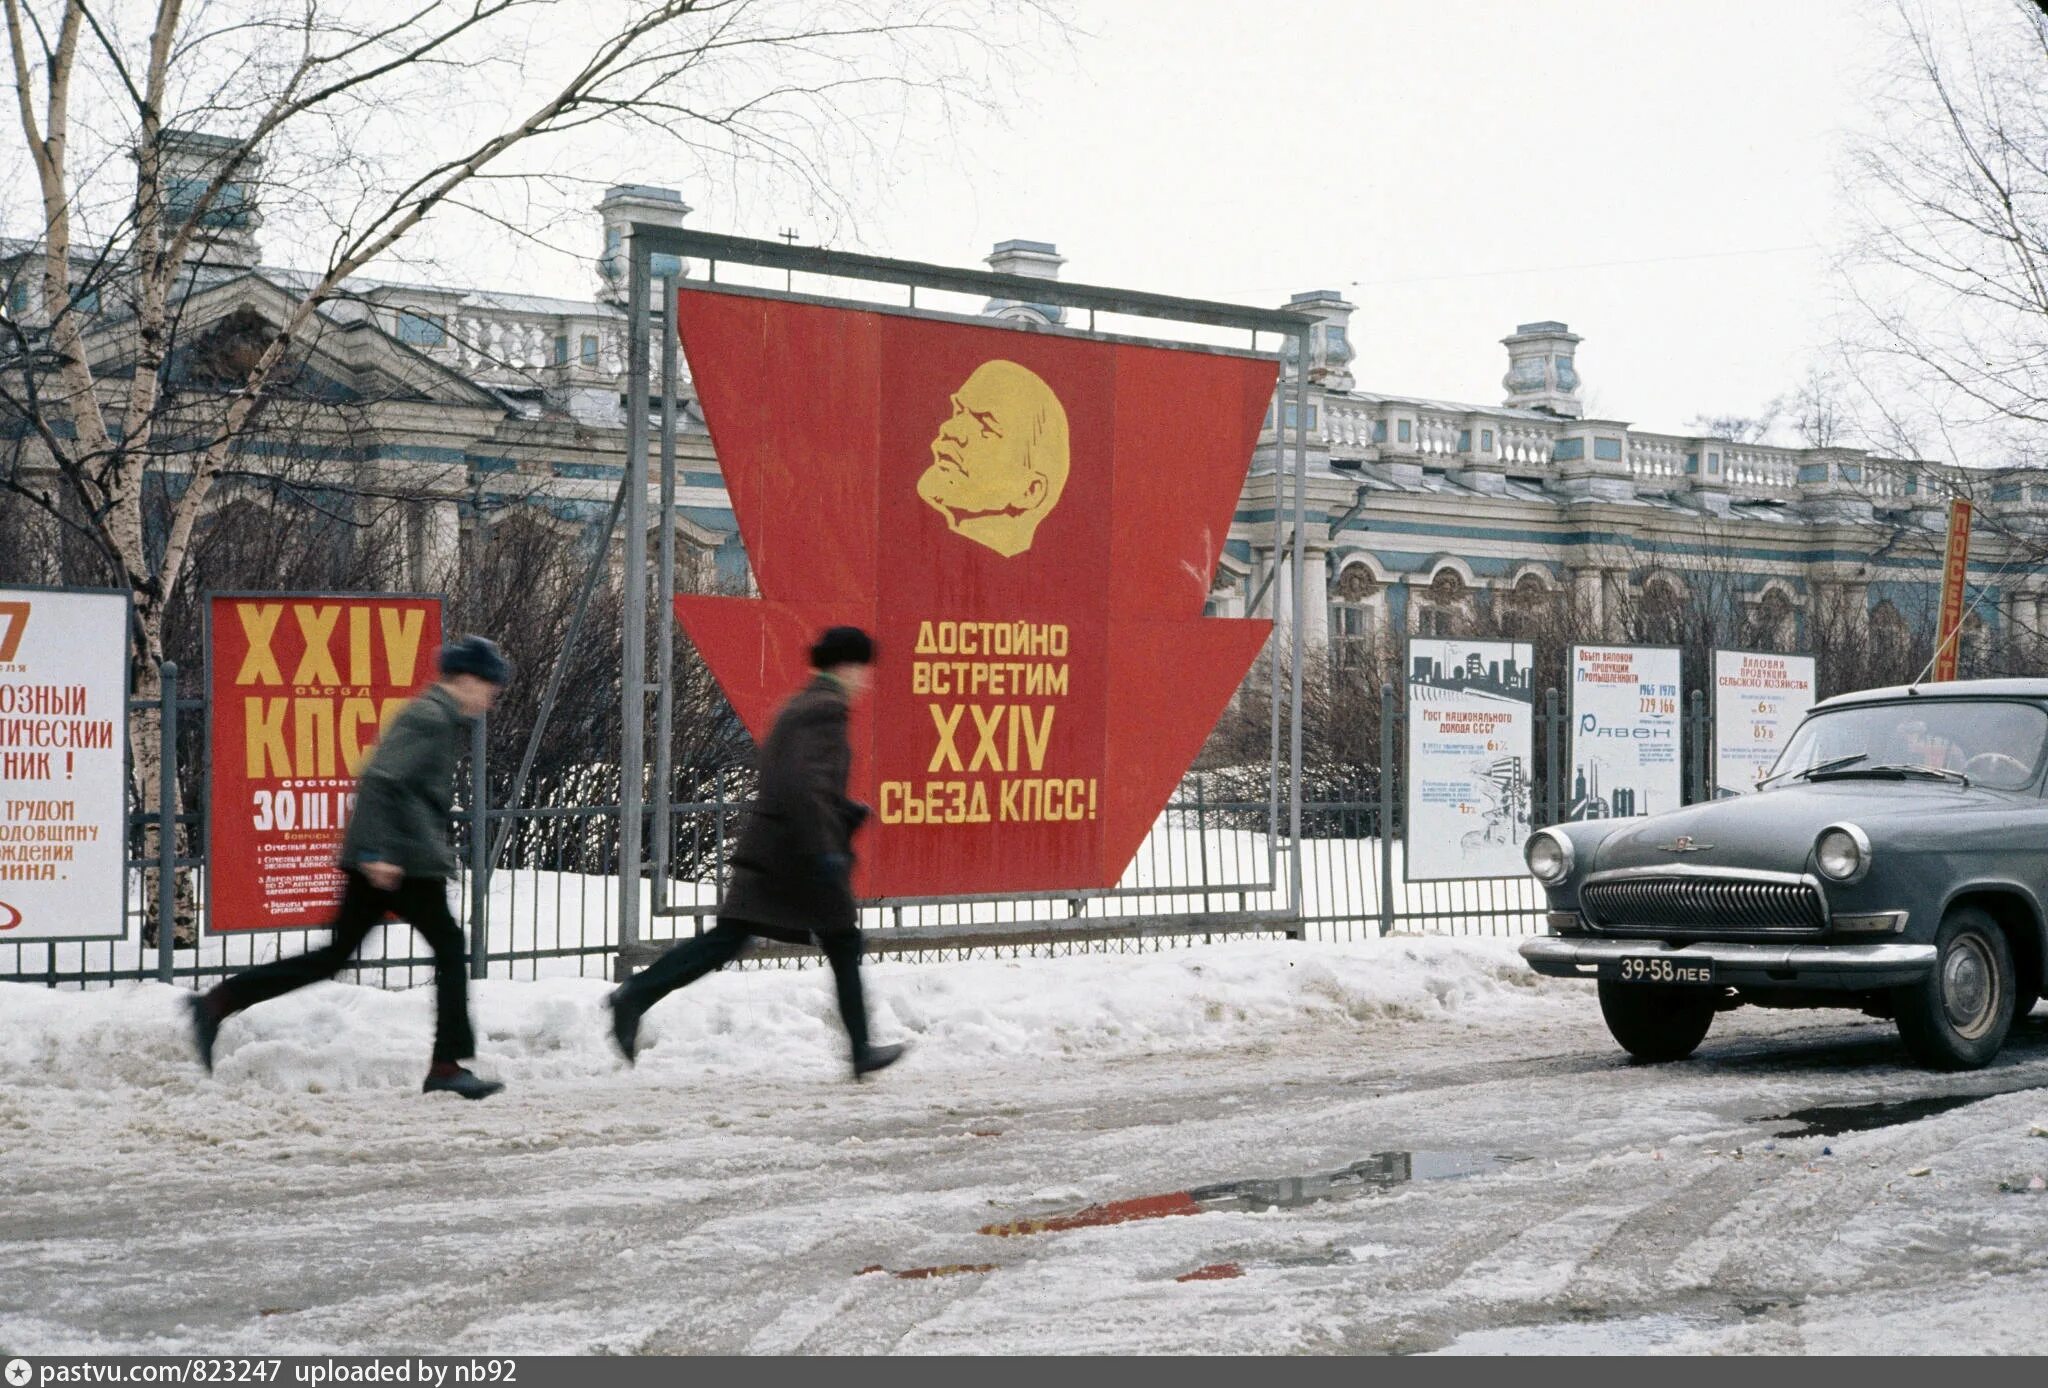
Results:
1949 275
365 125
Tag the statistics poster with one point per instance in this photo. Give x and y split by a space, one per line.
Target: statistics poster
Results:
1471 732
301 686
1758 701
1625 732
63 765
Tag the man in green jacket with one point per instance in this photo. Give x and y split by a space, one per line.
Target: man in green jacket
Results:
397 859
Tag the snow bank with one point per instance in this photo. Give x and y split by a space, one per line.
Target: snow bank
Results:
336 1036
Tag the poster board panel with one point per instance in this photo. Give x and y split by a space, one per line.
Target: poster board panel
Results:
1625 732
1759 698
1471 740
63 764
299 687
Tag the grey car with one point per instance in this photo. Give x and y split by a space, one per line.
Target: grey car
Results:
1895 860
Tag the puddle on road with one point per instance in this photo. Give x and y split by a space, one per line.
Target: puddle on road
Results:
1832 1120
1379 1171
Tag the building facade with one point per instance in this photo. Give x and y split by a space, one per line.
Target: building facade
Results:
1419 516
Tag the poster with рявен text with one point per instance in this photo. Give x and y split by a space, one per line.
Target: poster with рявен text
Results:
63 764
1625 717
1759 699
1471 734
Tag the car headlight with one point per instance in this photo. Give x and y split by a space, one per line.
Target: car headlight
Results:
1842 853
1549 856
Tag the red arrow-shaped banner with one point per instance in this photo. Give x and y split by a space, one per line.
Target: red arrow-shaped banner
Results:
1028 523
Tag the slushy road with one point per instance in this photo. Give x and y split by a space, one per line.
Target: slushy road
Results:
1480 1169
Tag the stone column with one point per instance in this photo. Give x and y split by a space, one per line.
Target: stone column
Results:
1315 584
433 544
1589 591
1614 603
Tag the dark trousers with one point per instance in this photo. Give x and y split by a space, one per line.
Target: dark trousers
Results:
699 955
420 901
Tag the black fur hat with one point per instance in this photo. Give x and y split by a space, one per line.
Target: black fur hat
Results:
843 646
479 656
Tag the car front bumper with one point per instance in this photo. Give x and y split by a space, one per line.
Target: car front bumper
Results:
1890 964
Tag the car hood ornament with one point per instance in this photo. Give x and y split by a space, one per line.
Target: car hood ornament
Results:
1684 843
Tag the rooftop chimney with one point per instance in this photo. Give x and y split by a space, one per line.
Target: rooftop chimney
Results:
1038 260
1330 350
622 206
188 163
1540 372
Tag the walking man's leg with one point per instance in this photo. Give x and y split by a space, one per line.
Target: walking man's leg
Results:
681 966
842 951
423 902
362 906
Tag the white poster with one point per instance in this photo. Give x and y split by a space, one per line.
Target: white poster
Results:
63 764
1625 733
1758 701
1471 732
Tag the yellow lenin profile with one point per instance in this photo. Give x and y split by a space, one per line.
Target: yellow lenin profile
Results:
999 462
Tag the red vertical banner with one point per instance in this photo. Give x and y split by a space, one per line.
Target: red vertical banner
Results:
300 685
1955 570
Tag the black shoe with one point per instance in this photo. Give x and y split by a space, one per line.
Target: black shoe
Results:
205 1027
468 1085
625 1025
878 1058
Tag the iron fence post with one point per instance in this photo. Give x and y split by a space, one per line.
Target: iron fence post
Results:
1386 809
166 822
1552 721
479 852
1698 729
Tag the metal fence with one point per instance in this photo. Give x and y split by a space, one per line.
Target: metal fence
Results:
549 906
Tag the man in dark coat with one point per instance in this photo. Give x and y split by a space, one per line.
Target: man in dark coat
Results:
793 869
397 859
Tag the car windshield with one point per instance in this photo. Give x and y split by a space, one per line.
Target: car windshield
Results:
1994 744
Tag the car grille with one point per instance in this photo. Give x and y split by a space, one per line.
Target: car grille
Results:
1704 903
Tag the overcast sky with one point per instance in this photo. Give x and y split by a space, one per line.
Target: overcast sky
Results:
1660 176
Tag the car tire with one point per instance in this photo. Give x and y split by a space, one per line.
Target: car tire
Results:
1657 1022
1958 1016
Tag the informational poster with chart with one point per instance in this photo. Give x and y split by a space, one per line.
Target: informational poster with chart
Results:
1471 732
1625 732
63 764
1758 701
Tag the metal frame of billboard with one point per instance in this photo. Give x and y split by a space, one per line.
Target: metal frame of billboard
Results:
644 242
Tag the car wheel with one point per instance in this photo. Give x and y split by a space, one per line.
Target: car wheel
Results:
1657 1022
1957 1017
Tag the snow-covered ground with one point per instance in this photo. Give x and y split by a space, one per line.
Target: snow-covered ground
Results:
727 1193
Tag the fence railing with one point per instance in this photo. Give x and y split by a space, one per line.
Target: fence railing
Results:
1210 865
